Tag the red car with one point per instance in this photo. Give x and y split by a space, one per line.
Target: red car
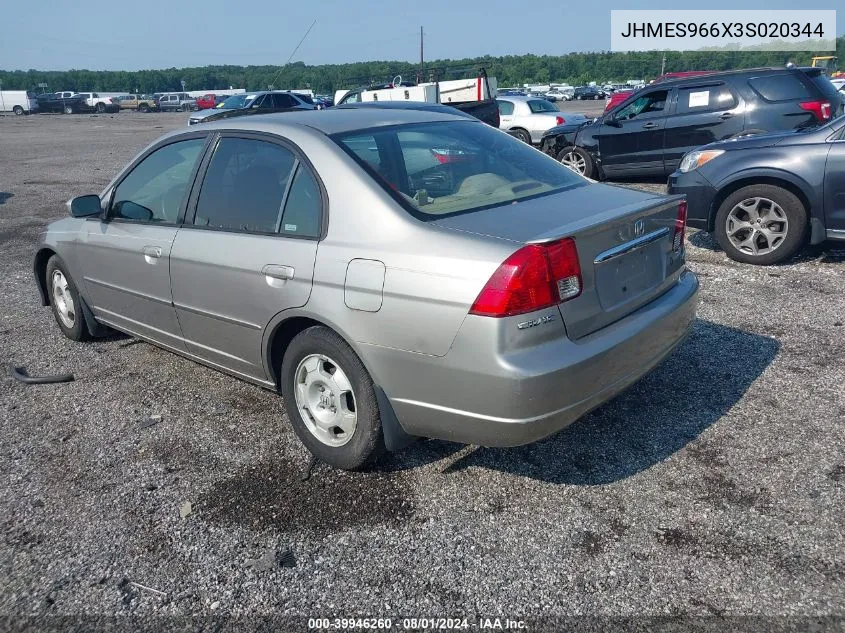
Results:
206 102
616 98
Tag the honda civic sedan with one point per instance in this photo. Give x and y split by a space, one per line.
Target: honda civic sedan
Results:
392 274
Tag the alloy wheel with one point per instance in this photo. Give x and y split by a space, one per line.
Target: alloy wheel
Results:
325 399
756 226
575 162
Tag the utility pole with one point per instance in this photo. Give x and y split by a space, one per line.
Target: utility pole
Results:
422 67
663 65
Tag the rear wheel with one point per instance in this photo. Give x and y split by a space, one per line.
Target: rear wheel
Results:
761 224
64 299
143 108
522 135
330 400
596 98
17 110
578 160
68 109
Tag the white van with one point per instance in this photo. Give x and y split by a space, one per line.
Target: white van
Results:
18 101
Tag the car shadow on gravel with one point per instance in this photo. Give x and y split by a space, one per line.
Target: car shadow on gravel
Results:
649 422
826 252
4 196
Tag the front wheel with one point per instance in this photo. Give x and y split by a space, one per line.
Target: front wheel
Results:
577 160
17 110
68 110
330 400
65 301
761 224
143 108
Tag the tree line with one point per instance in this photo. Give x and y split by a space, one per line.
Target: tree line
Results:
510 70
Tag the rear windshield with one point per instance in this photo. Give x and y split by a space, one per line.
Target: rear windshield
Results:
541 105
440 169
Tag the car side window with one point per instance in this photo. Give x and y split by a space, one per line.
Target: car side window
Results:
648 105
303 207
283 101
705 99
155 189
779 87
244 186
505 108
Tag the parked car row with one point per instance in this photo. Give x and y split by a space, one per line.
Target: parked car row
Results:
759 153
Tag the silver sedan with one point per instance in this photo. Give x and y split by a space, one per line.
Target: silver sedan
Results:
528 118
391 274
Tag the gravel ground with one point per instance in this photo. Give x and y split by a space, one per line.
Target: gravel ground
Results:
714 486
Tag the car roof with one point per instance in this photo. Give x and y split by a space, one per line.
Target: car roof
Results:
519 98
335 120
710 76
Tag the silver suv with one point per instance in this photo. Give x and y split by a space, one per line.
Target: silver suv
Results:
175 101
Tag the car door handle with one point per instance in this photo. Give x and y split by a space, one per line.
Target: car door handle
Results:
650 126
726 115
275 271
151 253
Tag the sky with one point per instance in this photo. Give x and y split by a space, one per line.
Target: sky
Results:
124 35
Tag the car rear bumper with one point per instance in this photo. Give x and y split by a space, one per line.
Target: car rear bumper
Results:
471 397
700 195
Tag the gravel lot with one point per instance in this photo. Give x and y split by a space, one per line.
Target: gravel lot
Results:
714 486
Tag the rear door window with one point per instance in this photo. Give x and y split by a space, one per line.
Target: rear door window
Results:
705 99
244 186
505 108
780 87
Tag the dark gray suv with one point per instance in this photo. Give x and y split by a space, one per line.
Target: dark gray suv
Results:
649 133
262 102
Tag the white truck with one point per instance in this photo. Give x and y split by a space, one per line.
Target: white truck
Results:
98 103
476 97
18 101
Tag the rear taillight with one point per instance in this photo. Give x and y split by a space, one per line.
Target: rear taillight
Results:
536 276
560 120
821 109
680 226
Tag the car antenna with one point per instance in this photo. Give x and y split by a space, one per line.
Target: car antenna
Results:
293 53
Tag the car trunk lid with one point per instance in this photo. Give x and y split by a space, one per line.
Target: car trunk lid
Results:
624 240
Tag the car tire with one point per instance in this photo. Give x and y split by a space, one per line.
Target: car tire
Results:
17 110
68 110
761 224
143 108
522 135
577 159
101 107
320 376
65 301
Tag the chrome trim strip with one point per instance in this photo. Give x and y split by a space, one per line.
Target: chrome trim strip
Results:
218 317
835 234
627 247
134 293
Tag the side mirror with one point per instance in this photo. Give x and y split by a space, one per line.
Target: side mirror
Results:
85 206
611 121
